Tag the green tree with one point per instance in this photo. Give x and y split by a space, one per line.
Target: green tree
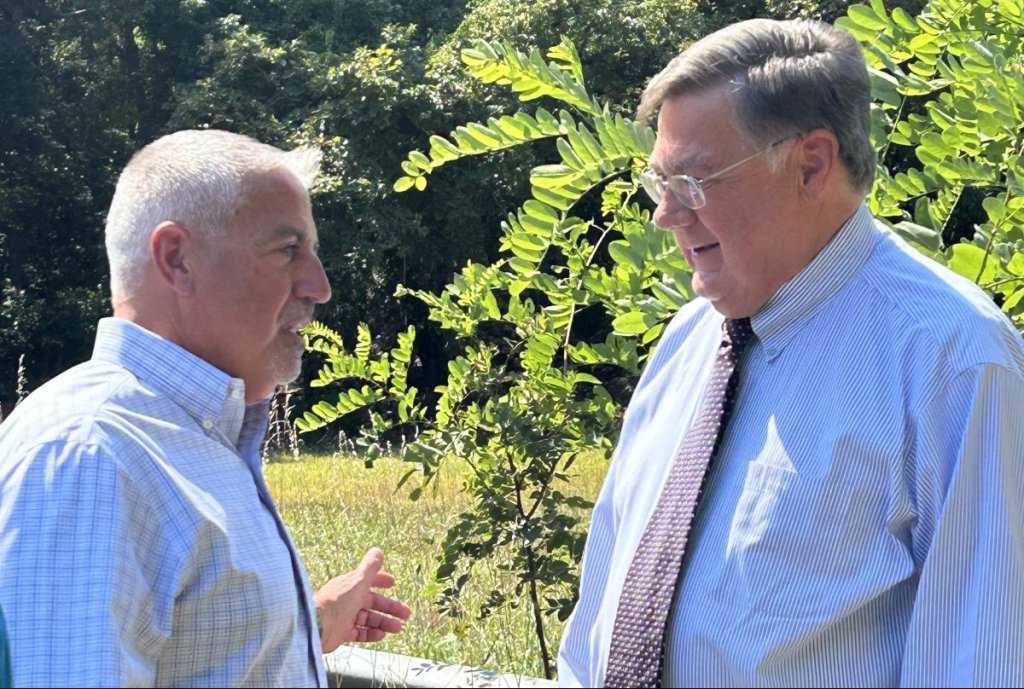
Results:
622 43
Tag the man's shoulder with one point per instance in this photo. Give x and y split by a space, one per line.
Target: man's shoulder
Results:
694 330
94 430
696 315
939 309
80 408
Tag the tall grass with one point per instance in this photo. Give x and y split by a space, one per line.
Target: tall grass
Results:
336 509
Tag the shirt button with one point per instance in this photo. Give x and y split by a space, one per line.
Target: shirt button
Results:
207 424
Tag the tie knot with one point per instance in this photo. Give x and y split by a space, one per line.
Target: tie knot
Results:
739 332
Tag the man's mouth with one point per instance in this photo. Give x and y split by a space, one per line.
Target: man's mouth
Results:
297 319
295 329
701 249
296 326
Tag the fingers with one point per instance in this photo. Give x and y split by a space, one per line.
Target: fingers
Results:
374 620
372 568
383 616
373 626
389 606
384 613
377 615
383 580
370 619
364 635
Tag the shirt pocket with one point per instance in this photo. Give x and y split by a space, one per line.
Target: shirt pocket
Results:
756 506
784 552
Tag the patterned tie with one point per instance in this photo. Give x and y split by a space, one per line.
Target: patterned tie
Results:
637 653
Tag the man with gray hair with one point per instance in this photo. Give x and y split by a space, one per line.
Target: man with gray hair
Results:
139 545
819 477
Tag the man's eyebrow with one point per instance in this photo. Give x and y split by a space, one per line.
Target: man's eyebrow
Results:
289 232
286 232
674 163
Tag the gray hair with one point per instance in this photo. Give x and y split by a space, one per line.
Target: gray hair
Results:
197 178
789 77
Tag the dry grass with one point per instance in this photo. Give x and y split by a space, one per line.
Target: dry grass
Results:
336 509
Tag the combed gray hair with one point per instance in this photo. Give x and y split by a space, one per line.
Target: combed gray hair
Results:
789 77
197 178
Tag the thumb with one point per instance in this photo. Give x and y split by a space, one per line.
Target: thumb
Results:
372 562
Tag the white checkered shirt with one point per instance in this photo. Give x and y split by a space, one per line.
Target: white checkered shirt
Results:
139 545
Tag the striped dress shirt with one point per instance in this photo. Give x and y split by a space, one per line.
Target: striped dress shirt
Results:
139 545
863 522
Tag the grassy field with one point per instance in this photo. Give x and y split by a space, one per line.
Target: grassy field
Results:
336 509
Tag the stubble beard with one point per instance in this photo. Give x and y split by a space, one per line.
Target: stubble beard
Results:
287 362
287 365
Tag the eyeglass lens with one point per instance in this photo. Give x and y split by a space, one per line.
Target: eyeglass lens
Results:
686 189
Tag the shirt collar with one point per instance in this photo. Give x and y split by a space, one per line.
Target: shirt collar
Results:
210 396
786 313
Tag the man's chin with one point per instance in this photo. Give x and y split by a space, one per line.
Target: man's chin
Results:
288 377
286 369
703 289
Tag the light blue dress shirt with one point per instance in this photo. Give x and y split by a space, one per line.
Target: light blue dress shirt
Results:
139 545
863 524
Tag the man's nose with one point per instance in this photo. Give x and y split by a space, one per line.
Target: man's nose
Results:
671 214
313 284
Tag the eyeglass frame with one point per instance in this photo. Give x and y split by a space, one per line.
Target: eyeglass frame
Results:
655 184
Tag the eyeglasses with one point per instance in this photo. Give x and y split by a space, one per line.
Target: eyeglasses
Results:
690 190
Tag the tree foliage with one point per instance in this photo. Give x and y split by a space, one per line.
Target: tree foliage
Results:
87 84
948 122
578 298
621 42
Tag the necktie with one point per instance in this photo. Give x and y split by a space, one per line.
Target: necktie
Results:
636 656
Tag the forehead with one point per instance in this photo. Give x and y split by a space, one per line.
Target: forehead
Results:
275 204
695 130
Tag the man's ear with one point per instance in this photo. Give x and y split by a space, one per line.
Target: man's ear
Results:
818 155
172 247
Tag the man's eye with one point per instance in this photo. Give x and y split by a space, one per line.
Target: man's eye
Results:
291 250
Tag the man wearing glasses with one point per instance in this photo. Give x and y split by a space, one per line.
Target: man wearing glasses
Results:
819 479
